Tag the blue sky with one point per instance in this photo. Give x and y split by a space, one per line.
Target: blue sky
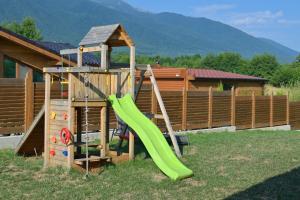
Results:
278 20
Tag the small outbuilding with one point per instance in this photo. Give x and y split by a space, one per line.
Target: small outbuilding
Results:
178 79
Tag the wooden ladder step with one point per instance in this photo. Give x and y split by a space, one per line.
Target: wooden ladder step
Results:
80 161
89 145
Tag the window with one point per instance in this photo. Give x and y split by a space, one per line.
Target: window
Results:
9 68
227 86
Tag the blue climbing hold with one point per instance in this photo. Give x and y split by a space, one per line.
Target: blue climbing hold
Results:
65 153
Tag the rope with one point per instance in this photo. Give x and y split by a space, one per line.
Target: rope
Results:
86 84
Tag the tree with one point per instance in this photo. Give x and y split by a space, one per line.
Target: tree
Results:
264 65
297 59
26 28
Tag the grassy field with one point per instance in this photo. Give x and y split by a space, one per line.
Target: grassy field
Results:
243 165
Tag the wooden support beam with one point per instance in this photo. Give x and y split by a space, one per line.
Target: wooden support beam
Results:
103 134
132 91
271 110
253 110
232 107
79 57
18 70
84 50
71 119
210 102
164 112
83 69
29 100
104 57
1 65
132 69
47 119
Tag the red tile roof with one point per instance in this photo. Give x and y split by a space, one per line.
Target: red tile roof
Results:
215 74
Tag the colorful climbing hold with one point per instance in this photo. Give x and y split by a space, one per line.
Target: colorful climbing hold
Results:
53 139
52 152
65 153
53 115
65 116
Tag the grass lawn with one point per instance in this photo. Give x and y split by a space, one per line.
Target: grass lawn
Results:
243 165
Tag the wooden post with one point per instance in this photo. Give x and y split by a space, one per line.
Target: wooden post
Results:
79 57
1 65
132 84
71 117
232 107
271 110
103 131
18 70
164 112
253 109
210 102
47 120
29 98
104 56
184 108
287 109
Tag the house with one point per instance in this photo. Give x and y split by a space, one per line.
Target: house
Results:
178 79
19 55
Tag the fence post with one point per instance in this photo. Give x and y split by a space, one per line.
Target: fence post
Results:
29 98
253 109
184 108
210 102
232 106
287 109
271 110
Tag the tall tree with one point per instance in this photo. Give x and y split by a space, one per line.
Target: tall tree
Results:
263 65
26 28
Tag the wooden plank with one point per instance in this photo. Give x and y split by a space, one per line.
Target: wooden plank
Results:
1 64
71 117
103 136
164 112
271 111
232 106
253 110
29 135
47 119
29 100
210 103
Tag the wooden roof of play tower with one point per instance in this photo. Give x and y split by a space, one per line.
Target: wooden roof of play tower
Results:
111 35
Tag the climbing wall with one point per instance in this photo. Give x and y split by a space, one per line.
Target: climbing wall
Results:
58 120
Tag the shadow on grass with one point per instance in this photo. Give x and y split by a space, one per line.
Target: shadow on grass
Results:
283 186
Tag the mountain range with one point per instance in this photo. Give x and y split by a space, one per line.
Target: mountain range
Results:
165 33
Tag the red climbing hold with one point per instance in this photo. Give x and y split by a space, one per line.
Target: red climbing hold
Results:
65 116
52 152
65 135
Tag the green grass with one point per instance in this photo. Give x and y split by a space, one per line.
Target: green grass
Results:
243 165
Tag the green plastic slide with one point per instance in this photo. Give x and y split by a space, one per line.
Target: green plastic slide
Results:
151 136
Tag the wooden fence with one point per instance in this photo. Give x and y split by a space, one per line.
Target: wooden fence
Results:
195 110
21 100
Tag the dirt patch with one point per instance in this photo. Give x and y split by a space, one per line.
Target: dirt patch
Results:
192 150
158 177
221 171
240 158
195 183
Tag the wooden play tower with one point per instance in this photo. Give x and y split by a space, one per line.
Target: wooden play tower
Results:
87 87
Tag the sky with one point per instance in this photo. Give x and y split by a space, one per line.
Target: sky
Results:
278 20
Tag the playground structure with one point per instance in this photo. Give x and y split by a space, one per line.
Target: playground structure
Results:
100 87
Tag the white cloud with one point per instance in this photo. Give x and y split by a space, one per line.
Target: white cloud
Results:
255 18
212 9
288 22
